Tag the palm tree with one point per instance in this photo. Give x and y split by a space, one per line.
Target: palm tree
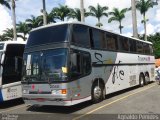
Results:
76 14
51 18
98 12
61 12
143 6
118 15
34 22
5 3
8 34
3 38
22 27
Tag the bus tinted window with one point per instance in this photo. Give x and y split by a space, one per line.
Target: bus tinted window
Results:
139 47
81 35
146 48
132 45
98 39
123 43
111 41
48 35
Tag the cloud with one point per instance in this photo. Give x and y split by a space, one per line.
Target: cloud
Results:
157 18
114 3
5 18
151 29
26 8
92 20
127 22
128 34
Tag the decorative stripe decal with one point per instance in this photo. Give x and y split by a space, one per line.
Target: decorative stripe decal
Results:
122 64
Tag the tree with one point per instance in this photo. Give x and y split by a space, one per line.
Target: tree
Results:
23 28
8 34
118 15
5 3
143 6
34 22
76 14
98 12
2 38
61 12
155 39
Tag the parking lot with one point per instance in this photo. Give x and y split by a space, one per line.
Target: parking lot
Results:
134 101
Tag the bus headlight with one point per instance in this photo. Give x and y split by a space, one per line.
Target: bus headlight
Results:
59 92
25 91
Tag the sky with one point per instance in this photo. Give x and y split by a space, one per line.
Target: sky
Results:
26 8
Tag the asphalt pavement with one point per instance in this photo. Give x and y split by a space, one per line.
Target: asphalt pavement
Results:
137 103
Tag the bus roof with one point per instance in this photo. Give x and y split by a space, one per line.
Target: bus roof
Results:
75 22
13 42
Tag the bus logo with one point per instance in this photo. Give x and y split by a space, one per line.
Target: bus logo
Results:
33 87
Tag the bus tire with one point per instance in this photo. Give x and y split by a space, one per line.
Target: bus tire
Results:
147 79
97 92
141 80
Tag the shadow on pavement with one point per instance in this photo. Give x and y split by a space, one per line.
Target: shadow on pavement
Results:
11 103
59 109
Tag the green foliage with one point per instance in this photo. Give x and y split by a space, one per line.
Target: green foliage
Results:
5 3
76 14
155 39
23 28
98 12
34 22
118 15
60 12
8 34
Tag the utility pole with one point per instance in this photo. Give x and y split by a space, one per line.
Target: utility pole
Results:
82 10
134 19
44 13
13 6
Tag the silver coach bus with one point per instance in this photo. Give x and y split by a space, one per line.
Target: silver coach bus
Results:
69 63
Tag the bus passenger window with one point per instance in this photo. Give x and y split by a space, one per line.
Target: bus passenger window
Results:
98 39
146 48
80 35
139 47
111 41
132 45
124 44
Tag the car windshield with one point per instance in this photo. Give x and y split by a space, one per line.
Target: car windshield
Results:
45 66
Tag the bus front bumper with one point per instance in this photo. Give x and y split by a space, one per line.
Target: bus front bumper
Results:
47 100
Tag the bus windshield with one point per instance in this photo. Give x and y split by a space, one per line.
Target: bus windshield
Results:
54 34
45 66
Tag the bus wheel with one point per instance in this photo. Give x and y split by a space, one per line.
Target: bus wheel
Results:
97 93
141 80
147 79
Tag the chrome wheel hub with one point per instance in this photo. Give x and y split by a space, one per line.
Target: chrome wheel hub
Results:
97 92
